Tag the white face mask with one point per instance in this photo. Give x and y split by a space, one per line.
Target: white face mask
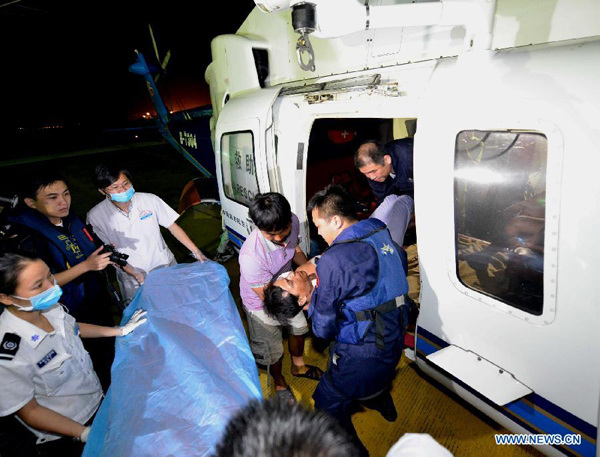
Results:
41 301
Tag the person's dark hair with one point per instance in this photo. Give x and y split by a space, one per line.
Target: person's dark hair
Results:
11 266
105 175
273 428
333 201
280 304
40 180
270 212
370 151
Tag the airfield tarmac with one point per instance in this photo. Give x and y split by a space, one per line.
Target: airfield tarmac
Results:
423 405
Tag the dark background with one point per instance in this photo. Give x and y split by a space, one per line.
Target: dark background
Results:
64 62
64 84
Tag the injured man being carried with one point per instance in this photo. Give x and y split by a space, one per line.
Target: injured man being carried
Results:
290 293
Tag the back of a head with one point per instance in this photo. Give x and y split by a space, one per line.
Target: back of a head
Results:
270 212
40 180
333 201
106 174
273 428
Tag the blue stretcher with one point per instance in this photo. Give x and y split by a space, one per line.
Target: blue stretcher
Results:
178 378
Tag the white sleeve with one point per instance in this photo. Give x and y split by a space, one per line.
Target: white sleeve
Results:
165 214
93 221
17 385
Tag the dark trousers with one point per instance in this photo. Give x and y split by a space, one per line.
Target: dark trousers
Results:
18 441
355 373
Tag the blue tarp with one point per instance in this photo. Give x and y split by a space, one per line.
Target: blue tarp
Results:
178 378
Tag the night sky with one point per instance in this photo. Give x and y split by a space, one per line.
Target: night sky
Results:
64 62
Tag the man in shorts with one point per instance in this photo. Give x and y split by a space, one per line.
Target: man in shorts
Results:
269 251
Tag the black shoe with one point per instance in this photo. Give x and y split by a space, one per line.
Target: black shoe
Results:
224 256
384 405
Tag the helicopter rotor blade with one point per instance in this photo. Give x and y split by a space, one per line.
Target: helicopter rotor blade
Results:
165 61
154 43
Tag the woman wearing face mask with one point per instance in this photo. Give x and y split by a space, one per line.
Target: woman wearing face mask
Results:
46 376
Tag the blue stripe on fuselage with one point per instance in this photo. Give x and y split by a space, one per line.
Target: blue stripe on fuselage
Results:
532 412
234 236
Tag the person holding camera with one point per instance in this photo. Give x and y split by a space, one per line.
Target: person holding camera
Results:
58 237
130 221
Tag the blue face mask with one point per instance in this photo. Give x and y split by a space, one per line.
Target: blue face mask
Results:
45 300
123 197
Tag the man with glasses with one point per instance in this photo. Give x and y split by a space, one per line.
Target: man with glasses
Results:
130 221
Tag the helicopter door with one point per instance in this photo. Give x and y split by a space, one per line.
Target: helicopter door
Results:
243 137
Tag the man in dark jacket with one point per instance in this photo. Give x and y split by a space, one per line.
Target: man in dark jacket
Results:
388 168
358 304
57 236
389 171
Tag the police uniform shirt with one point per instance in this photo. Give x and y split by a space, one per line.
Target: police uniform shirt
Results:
53 368
136 233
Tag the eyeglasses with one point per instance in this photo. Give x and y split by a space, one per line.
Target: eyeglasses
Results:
115 187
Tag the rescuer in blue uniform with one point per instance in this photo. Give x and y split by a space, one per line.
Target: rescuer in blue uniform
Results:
389 172
57 236
389 168
359 305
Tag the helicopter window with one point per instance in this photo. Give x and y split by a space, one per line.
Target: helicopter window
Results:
499 211
238 167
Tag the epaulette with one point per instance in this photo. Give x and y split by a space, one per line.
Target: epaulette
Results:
9 346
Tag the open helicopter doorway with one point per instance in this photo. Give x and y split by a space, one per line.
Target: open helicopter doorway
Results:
330 160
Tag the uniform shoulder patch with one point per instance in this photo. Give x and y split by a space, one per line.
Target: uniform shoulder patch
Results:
9 346
387 249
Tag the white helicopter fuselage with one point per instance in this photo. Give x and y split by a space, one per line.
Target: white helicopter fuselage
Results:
528 76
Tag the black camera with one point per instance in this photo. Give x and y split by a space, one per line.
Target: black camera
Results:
13 237
115 256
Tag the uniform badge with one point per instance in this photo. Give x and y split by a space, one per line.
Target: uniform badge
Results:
46 359
387 249
9 346
145 214
34 338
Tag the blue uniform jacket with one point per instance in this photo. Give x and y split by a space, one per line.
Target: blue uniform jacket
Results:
345 270
62 248
401 152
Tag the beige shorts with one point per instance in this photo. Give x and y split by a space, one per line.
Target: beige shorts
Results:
265 335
